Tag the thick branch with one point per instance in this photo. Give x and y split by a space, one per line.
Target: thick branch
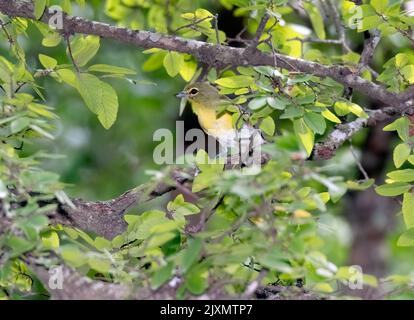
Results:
326 150
213 55
106 218
78 287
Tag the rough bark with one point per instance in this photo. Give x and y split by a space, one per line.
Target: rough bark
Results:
213 55
106 218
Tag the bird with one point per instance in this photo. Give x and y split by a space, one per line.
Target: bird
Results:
211 109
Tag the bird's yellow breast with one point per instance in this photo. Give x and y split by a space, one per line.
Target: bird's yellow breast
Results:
211 124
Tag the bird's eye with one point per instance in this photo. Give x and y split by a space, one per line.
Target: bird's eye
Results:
193 91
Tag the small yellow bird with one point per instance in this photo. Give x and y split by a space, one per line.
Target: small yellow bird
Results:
207 103
206 100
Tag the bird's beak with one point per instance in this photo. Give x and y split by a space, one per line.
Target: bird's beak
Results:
181 94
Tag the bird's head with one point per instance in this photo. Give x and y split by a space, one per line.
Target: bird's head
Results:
201 93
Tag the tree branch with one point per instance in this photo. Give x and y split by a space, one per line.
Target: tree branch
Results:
340 29
260 29
326 150
213 55
370 45
78 287
106 218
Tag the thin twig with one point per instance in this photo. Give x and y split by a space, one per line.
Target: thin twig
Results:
370 45
216 29
358 162
192 24
71 53
168 18
260 29
336 17
3 26
315 40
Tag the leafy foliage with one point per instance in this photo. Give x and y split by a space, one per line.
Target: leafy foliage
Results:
264 227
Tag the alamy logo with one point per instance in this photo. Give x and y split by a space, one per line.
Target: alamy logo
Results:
356 280
56 20
56 278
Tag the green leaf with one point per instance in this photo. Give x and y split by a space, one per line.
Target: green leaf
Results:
316 19
84 48
341 108
106 68
73 255
323 287
33 225
68 76
100 264
210 172
406 239
162 275
315 122
154 62
268 126
408 73
51 40
357 110
370 280
197 281
327 114
275 260
392 189
50 240
102 243
39 8
277 103
173 61
202 160
257 103
360 185
401 125
19 124
47 62
235 82
145 223
401 154
100 98
408 209
67 6
369 22
306 136
160 239
406 175
207 178
379 5
179 206
401 60
18 245
191 254
188 70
